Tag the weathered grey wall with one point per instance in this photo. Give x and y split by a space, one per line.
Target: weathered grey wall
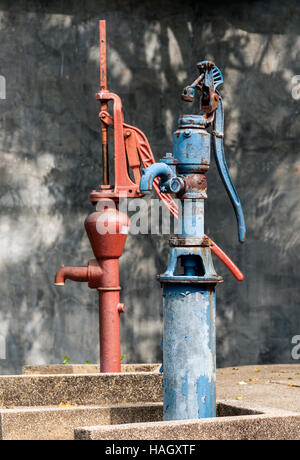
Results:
50 150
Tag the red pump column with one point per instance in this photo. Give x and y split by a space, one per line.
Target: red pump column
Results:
107 230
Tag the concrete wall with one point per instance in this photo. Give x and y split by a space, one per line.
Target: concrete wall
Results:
50 160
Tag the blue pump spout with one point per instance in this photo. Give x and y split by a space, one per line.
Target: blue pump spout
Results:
151 173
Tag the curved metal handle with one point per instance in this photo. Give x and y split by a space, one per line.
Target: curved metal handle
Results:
224 173
226 260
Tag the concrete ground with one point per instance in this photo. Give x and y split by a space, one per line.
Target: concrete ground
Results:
273 386
256 402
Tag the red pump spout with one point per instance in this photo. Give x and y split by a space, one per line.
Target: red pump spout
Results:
71 273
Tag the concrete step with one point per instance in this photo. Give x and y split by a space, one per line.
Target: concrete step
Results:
88 389
237 422
54 423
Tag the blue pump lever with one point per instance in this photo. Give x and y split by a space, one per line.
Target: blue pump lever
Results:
218 135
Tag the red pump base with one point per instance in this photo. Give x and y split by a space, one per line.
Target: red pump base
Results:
107 231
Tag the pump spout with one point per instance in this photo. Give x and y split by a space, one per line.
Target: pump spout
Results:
71 273
149 174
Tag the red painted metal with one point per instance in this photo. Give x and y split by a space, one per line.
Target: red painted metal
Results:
107 228
103 87
124 186
103 70
107 231
107 249
71 273
138 152
226 260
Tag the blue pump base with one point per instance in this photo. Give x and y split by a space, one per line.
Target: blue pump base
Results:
189 335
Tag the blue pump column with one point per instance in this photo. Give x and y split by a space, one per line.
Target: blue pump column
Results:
189 334
189 307
189 351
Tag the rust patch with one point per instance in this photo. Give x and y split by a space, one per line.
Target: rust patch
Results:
196 182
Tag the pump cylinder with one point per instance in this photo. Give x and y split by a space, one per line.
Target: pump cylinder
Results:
189 350
191 219
109 320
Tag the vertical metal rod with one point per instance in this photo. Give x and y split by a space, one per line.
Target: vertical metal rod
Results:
109 317
103 87
103 74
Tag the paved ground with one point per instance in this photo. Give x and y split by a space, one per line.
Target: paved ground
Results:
270 394
274 386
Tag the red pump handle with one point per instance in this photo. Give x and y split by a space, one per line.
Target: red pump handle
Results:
226 260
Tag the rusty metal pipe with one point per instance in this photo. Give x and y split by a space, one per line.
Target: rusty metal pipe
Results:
71 273
109 316
103 87
109 321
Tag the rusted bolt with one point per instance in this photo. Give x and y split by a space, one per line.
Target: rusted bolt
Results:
176 184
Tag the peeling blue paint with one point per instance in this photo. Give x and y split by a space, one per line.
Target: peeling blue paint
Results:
206 395
189 352
161 370
196 313
169 399
185 386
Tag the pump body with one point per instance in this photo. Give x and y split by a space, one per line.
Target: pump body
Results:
107 228
189 300
107 231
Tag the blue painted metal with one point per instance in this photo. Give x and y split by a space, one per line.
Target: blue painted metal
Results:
191 145
189 351
155 170
224 173
189 339
202 263
191 219
189 305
